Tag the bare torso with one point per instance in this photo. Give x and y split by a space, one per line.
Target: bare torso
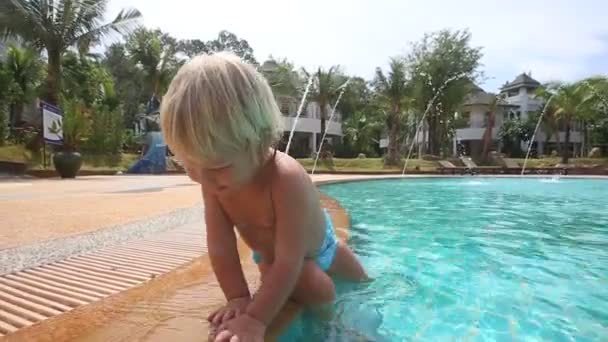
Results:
251 211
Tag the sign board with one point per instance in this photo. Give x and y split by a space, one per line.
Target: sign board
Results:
52 124
384 143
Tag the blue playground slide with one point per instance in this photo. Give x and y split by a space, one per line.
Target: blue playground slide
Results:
154 160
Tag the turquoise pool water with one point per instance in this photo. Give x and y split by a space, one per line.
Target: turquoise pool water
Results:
477 259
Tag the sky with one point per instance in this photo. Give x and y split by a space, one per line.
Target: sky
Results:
553 39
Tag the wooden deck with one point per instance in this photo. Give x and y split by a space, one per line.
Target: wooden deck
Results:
34 295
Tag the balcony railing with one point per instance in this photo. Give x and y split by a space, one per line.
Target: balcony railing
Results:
312 125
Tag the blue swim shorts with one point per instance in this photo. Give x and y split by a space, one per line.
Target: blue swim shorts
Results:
325 256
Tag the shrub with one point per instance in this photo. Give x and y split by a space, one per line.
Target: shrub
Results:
107 135
3 124
132 142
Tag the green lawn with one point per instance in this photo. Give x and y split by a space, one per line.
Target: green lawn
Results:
119 162
367 164
19 154
552 161
124 161
15 153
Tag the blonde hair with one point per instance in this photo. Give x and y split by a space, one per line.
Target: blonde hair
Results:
219 106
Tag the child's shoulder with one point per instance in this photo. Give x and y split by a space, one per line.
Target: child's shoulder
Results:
289 172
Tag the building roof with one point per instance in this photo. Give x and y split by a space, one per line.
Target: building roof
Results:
269 66
523 80
479 97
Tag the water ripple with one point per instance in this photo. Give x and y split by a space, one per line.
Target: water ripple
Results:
495 259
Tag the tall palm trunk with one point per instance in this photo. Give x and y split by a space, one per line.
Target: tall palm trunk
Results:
53 78
558 139
566 147
585 141
392 157
425 142
323 110
432 132
17 111
487 137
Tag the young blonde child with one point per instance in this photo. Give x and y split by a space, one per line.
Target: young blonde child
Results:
219 116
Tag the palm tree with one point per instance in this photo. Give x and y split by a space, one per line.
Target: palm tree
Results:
24 67
283 78
393 91
571 102
362 129
154 52
58 25
487 135
598 107
550 121
325 90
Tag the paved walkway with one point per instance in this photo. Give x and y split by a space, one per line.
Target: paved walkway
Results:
61 259
39 210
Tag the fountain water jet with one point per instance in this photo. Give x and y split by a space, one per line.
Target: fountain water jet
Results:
299 112
333 110
540 119
428 108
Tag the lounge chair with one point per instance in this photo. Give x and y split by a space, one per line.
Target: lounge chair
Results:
470 164
511 166
447 167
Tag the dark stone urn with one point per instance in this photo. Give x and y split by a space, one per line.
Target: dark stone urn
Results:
67 163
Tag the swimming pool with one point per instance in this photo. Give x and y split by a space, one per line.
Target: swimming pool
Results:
472 259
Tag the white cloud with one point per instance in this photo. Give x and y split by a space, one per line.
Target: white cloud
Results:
556 39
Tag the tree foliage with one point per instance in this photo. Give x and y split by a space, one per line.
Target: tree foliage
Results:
362 132
58 25
515 131
356 97
7 86
283 78
393 95
570 103
325 89
87 81
225 41
228 41
129 81
442 64
154 52
24 68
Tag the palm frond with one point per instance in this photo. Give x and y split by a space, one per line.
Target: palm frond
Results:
125 22
25 19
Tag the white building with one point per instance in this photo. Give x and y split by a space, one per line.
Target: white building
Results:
307 132
476 112
518 101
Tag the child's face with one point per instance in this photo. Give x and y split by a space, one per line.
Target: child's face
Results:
220 176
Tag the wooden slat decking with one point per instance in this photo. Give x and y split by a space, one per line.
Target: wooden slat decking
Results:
33 295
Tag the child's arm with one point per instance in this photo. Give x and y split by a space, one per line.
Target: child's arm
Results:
293 203
221 244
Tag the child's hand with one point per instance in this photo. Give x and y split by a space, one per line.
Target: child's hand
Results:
243 328
232 309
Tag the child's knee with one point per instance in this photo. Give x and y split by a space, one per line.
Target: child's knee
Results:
327 294
314 286
316 295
